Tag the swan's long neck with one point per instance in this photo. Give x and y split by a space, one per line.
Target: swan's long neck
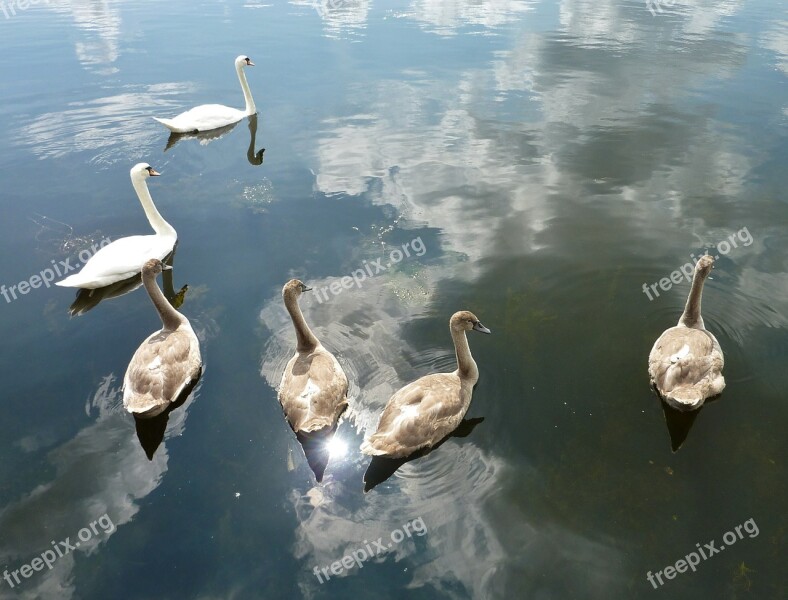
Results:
160 226
171 319
250 107
691 316
306 339
466 366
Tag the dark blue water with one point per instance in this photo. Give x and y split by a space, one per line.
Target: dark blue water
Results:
544 163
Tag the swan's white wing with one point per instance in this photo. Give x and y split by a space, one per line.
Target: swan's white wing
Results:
119 260
163 365
204 118
418 416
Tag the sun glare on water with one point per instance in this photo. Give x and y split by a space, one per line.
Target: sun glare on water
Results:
336 447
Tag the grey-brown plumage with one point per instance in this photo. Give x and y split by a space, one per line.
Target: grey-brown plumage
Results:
313 391
166 362
424 412
686 361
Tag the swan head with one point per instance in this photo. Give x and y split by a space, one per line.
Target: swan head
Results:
465 320
143 170
294 288
153 267
704 266
243 61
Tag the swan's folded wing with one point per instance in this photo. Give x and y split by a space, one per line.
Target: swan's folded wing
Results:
419 415
683 356
127 255
313 391
159 370
207 117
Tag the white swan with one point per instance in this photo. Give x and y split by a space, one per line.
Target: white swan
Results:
424 412
210 116
124 258
686 361
167 362
313 391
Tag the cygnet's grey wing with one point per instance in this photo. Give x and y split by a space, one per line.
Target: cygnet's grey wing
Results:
313 391
160 369
417 416
684 357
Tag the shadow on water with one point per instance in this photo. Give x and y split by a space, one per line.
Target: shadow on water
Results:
381 468
316 448
680 422
205 137
88 299
150 432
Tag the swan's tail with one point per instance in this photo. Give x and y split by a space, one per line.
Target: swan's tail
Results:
168 123
73 281
685 398
369 448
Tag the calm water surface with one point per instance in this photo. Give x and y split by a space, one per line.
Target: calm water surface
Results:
545 159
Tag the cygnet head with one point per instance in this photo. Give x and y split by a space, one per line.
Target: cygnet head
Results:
243 61
294 288
704 266
144 170
153 267
466 321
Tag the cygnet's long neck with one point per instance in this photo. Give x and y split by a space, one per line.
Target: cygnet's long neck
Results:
306 339
171 319
157 222
250 107
691 316
466 366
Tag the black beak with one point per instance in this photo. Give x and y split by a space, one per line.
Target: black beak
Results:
477 326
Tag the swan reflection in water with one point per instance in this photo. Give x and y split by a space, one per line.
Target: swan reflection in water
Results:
381 467
150 431
318 447
206 137
680 422
88 299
